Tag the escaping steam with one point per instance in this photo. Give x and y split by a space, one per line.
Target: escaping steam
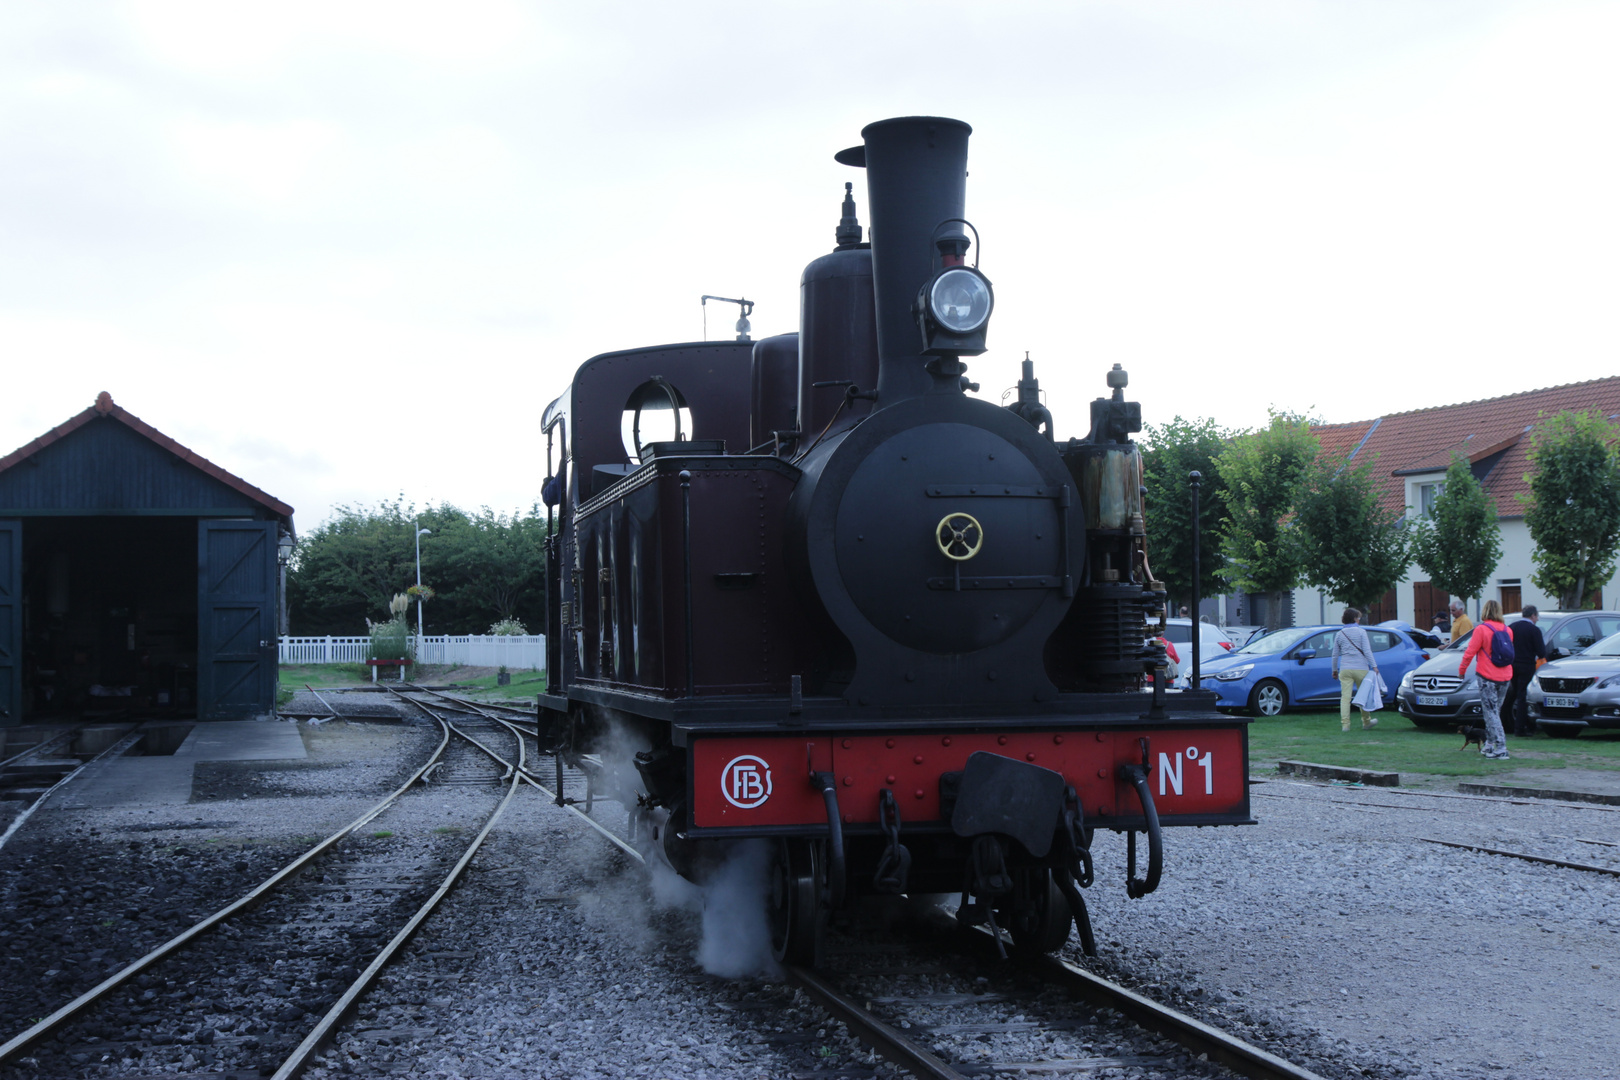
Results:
736 937
736 940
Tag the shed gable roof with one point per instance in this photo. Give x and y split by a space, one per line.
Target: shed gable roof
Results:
129 483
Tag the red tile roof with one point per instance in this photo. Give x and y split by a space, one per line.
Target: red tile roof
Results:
1424 440
104 407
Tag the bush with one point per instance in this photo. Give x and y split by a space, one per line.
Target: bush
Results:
509 628
390 641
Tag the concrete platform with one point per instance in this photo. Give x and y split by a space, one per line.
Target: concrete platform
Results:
166 780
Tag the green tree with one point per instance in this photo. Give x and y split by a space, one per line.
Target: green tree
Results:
1171 451
482 568
1353 549
493 568
1262 472
1460 546
1573 509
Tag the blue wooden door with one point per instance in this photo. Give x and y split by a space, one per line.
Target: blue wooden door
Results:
236 616
10 623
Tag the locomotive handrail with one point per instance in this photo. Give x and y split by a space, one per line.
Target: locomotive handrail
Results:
1138 887
828 783
686 555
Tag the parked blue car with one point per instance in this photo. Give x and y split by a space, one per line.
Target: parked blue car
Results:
1294 667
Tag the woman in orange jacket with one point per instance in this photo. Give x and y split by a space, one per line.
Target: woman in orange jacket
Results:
1493 678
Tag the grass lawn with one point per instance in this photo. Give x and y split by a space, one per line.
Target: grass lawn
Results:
525 684
320 676
1398 745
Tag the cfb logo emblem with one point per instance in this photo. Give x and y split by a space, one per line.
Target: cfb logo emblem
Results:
746 781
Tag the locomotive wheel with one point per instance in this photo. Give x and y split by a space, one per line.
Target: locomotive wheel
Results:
1270 698
794 902
1042 925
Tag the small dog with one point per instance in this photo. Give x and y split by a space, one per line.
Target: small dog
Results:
1472 736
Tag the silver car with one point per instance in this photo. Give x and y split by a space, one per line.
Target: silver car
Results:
1579 692
1435 696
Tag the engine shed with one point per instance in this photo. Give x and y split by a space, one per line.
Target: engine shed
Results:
136 578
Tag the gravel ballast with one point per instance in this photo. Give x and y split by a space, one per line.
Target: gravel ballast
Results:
1330 933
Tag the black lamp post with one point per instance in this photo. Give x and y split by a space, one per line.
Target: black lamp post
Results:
1195 478
284 553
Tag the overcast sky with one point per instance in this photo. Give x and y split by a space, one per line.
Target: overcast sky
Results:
351 250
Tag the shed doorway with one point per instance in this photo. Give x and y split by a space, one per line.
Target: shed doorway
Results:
109 617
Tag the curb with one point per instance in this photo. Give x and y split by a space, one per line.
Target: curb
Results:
1539 793
1339 772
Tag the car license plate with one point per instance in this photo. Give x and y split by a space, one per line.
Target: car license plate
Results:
1557 701
1422 700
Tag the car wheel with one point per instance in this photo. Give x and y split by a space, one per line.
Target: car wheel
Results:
1269 698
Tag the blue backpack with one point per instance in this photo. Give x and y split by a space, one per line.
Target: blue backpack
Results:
1502 647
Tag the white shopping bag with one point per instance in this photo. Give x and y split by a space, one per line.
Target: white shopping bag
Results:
1370 697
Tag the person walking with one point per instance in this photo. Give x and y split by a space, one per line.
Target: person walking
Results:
1528 647
1352 660
1442 626
1494 678
1460 622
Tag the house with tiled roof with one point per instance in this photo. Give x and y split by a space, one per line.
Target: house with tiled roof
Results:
1412 450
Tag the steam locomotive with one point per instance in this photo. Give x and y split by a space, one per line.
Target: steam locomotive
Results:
835 601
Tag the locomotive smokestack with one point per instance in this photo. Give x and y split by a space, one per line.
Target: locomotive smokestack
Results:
916 178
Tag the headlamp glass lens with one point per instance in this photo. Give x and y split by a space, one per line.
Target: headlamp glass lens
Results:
960 300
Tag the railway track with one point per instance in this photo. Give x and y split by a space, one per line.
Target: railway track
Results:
16 771
306 942
1177 1042
1379 807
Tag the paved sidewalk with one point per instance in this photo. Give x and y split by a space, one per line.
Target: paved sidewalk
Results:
166 780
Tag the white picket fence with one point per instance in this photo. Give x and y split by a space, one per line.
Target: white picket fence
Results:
524 653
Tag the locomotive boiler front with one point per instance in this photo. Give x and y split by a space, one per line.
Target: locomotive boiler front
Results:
942 535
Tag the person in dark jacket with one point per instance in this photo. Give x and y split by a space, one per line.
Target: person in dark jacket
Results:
1528 647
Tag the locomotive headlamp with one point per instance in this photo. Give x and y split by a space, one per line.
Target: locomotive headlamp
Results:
953 307
953 311
959 299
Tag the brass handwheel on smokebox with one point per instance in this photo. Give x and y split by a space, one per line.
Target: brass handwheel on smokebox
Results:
959 536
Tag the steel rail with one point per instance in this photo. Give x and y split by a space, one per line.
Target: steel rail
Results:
534 781
327 1026
1241 1057
493 756
1566 864
480 707
1516 800
40 747
329 706
44 1027
894 1045
117 749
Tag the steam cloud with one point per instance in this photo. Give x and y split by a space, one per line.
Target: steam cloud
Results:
736 936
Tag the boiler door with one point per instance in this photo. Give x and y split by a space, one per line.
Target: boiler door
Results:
948 538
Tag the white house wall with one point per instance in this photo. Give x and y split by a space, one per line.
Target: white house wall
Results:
1310 604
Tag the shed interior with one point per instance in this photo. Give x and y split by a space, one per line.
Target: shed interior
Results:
109 619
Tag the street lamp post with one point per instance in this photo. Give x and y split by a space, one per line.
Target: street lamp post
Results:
419 534
1195 479
284 552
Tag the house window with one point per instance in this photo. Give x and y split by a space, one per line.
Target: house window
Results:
1427 494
